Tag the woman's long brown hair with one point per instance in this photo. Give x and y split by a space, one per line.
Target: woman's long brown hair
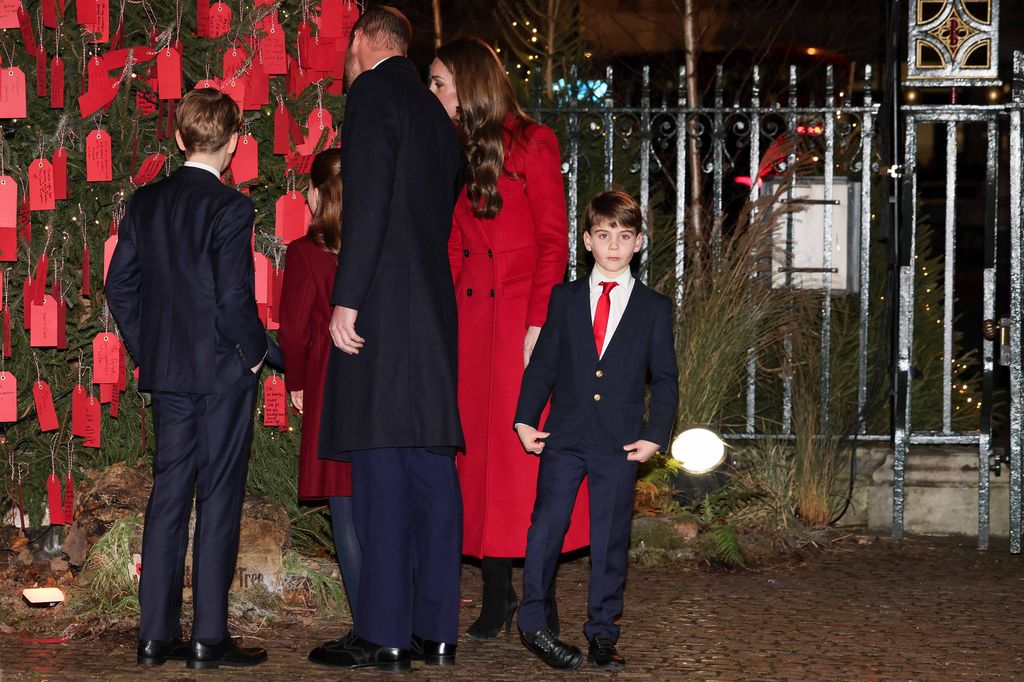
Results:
325 175
485 100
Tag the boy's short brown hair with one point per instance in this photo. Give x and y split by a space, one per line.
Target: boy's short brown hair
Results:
206 119
617 209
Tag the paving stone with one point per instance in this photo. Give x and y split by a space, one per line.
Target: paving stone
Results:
911 610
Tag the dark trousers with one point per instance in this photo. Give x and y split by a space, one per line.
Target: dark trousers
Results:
612 479
202 448
408 515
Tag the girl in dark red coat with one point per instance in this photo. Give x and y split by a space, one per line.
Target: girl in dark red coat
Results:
306 309
508 248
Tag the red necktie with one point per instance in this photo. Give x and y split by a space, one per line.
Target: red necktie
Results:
604 305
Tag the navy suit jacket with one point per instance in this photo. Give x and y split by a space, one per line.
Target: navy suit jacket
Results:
181 284
602 398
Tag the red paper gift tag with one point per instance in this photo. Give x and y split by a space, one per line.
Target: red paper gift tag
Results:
56 83
94 15
60 173
28 294
115 403
257 89
203 18
7 331
282 118
8 244
27 36
39 281
9 13
44 323
45 411
8 397
108 253
234 59
272 50
332 18
105 358
220 19
79 398
12 92
93 422
150 168
97 156
274 401
51 11
62 329
107 392
8 202
41 70
235 89
41 195
69 499
168 73
245 162
305 37
98 95
291 221
122 365
54 502
262 268
86 279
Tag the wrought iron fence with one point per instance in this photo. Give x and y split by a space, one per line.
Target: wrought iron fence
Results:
652 142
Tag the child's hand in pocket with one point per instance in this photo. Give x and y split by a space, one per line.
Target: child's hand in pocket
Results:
640 450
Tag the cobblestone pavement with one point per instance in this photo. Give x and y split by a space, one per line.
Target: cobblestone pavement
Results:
882 610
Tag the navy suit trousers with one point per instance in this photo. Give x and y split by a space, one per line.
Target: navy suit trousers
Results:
612 480
202 448
407 510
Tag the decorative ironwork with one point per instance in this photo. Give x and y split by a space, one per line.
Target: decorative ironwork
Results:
953 42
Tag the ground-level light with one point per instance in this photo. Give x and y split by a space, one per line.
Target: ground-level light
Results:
698 451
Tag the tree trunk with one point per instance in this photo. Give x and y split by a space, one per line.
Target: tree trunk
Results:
438 37
693 98
549 48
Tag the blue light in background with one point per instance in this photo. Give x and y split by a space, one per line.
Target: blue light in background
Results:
594 90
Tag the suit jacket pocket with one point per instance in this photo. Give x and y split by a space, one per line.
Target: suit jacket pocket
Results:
632 420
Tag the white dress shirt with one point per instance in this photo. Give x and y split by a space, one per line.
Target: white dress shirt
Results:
205 167
619 298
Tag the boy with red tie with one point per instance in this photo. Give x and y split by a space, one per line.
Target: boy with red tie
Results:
606 337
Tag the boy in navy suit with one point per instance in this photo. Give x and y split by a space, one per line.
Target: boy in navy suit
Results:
606 336
181 287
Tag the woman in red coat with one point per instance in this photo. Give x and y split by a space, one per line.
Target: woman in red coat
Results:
508 248
305 314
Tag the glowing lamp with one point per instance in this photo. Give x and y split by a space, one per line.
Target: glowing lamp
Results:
43 596
698 451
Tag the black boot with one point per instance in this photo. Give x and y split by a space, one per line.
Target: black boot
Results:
499 601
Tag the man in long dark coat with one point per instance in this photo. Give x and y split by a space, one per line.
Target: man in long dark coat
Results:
390 402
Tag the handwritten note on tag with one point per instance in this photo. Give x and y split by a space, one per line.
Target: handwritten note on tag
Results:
45 411
97 156
41 194
8 397
106 358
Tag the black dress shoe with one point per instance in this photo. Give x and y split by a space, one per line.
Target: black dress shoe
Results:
339 643
225 652
431 652
361 653
159 651
551 650
604 655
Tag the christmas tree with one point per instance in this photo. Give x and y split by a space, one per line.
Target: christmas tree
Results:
87 96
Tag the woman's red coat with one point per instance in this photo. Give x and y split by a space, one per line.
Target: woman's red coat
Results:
504 269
